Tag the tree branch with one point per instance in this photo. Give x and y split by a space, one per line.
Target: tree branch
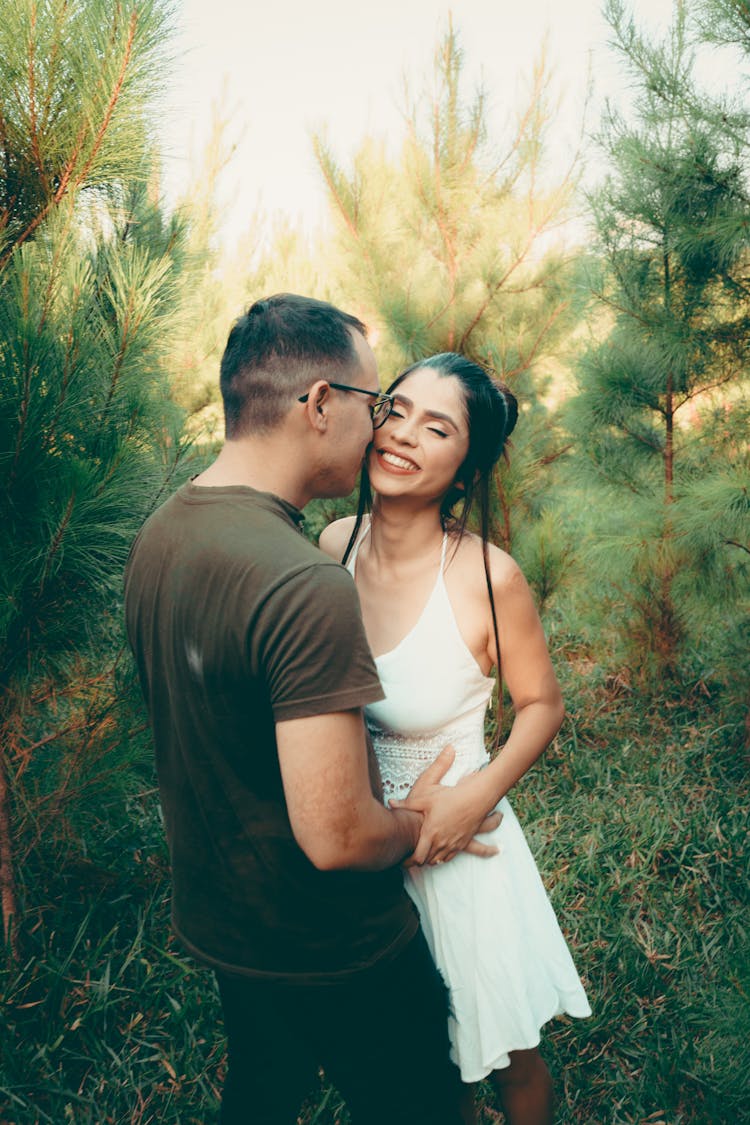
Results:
36 151
55 545
67 175
114 98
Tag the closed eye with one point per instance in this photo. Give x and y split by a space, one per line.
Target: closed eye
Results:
440 433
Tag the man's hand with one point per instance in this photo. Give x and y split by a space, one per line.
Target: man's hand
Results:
453 815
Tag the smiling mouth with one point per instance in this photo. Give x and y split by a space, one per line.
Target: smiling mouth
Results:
397 462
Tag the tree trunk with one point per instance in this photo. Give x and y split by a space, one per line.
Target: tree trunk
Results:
504 531
669 443
8 896
668 640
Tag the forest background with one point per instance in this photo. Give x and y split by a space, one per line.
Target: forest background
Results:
625 500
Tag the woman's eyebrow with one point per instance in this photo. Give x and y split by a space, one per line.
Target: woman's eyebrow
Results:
430 413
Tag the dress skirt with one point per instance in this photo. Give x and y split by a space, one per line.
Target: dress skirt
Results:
495 939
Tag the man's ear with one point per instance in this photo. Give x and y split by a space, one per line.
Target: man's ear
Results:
318 399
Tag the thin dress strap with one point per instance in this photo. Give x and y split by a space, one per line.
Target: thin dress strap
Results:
443 552
351 562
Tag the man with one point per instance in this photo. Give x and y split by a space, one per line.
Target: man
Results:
253 661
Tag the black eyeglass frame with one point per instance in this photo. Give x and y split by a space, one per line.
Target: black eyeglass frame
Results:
382 401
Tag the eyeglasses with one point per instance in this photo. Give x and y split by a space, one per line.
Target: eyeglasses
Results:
380 408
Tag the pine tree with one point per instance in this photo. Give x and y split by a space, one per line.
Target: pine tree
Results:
89 287
450 246
659 411
269 255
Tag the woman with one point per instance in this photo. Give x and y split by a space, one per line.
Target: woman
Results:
441 607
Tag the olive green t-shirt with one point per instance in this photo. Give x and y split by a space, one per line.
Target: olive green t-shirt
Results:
238 622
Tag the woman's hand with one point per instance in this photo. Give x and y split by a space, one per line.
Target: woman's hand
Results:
453 815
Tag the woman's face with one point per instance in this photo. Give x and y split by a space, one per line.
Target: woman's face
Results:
423 443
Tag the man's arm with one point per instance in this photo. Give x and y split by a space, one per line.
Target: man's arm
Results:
373 769
335 818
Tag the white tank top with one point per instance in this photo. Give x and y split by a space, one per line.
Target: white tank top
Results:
435 693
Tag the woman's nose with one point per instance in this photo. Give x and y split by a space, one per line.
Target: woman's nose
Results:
403 429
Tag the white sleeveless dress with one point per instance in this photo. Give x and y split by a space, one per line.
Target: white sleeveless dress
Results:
488 921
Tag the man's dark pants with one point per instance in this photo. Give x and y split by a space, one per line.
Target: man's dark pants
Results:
380 1036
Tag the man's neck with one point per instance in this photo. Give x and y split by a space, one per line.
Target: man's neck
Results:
255 463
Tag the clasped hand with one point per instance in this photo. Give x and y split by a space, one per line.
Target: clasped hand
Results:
453 814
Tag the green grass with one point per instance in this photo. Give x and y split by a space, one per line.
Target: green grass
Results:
639 824
638 817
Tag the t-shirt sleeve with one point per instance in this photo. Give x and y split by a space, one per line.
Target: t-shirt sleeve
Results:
309 644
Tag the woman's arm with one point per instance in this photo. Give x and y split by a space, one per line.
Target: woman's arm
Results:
528 673
452 815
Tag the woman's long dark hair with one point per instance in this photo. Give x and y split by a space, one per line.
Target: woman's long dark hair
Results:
491 413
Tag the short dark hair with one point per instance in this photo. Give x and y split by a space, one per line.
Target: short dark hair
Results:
274 351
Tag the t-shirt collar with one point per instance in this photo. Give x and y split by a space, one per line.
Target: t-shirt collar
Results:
267 499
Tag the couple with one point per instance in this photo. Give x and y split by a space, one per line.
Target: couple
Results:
287 836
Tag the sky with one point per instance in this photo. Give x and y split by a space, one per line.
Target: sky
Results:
281 69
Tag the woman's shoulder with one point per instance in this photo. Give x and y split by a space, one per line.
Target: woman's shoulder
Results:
334 538
505 573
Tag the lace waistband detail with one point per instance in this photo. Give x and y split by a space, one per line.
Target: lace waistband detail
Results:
402 757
